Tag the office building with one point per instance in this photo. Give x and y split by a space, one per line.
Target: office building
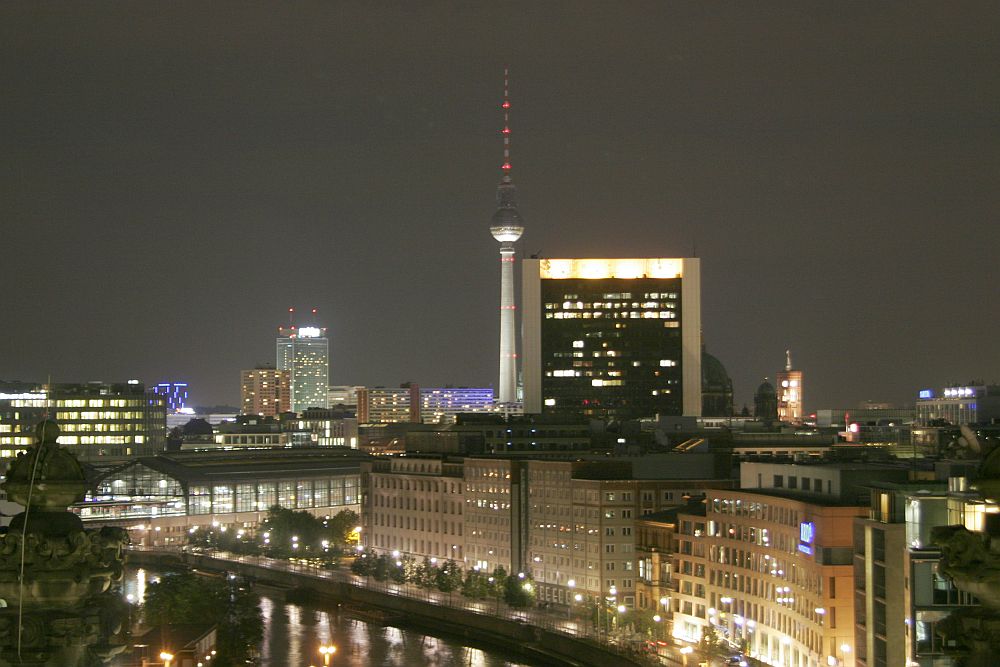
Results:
411 403
330 428
99 421
343 394
265 391
771 566
570 524
958 405
538 435
897 577
175 395
790 393
506 227
305 353
612 338
389 405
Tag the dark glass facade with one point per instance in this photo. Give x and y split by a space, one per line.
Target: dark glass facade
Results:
611 348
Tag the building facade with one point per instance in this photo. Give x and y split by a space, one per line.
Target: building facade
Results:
160 499
772 574
98 421
175 394
421 405
305 353
896 577
959 406
612 338
343 394
790 393
265 391
570 524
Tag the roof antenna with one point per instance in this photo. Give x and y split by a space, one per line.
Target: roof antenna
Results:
291 314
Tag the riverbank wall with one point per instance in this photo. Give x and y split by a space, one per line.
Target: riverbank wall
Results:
535 644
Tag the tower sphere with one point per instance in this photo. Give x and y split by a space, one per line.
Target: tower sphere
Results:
507 225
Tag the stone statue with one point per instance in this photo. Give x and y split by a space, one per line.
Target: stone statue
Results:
56 604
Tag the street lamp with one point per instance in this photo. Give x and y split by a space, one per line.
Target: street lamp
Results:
166 658
327 651
571 584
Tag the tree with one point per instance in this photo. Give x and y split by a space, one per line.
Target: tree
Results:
519 591
712 645
292 533
449 577
426 574
381 568
182 598
339 527
476 585
363 565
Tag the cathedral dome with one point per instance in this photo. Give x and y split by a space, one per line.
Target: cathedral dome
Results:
713 373
766 389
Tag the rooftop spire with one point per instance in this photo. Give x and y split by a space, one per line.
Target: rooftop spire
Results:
788 360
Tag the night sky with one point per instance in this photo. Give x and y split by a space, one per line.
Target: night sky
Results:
175 175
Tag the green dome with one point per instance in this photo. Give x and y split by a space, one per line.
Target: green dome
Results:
713 373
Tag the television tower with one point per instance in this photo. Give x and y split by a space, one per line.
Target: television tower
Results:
507 227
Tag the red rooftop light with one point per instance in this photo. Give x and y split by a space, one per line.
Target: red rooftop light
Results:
505 105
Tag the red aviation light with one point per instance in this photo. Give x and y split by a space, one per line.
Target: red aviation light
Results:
506 130
505 105
506 166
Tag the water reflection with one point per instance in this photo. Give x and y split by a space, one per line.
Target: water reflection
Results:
293 634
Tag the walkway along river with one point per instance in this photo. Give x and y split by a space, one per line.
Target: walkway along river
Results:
536 637
293 632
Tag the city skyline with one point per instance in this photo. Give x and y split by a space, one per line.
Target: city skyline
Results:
831 169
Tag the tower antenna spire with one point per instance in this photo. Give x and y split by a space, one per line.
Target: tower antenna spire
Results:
506 122
788 360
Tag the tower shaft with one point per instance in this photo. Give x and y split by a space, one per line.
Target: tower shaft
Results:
507 391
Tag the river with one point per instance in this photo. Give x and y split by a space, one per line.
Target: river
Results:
293 634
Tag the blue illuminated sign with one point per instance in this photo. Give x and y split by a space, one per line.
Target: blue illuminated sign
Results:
807 533
926 393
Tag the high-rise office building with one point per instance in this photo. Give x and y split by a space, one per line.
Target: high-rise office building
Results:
790 392
98 421
507 227
305 353
265 391
612 338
